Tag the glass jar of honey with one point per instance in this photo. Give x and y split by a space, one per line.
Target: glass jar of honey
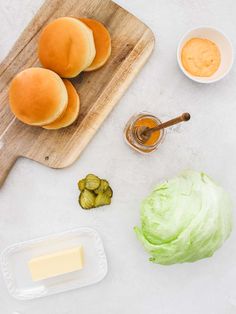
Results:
143 119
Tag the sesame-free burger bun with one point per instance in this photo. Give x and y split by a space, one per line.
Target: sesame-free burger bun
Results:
72 110
37 96
66 46
102 40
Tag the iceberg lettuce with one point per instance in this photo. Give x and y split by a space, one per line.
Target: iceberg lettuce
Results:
185 219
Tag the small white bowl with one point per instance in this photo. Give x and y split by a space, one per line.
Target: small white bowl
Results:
223 43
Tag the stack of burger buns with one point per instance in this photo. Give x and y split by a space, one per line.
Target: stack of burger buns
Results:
67 46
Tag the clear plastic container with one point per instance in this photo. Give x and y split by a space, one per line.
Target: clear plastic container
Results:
14 263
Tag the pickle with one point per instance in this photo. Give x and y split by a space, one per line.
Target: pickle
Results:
104 185
102 199
81 185
92 182
87 199
94 192
108 192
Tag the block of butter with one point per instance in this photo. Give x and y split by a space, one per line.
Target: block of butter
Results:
56 264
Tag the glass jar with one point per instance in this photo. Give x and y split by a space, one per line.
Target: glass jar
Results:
147 120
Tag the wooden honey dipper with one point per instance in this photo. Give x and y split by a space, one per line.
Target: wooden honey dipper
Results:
143 133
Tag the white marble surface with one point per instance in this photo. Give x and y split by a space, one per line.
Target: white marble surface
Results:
36 201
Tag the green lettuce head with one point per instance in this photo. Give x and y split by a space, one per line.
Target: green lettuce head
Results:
185 219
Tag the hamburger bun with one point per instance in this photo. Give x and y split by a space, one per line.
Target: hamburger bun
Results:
66 46
37 96
102 41
72 110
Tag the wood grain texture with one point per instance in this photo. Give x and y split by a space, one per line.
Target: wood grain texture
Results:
132 43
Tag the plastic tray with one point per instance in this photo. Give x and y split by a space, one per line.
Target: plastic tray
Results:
14 263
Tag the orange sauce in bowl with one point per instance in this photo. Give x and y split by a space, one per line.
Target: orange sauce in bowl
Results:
200 57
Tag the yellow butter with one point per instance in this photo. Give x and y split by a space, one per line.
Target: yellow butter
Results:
55 264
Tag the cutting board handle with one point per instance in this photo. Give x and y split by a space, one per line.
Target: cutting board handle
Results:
7 160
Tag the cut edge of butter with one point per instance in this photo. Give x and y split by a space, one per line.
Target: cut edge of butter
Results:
55 264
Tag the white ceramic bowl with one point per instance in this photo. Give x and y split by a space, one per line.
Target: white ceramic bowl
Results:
223 43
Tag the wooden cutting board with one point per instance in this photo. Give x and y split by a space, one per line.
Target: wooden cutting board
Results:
132 43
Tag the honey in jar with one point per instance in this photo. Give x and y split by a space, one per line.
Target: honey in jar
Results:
143 120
